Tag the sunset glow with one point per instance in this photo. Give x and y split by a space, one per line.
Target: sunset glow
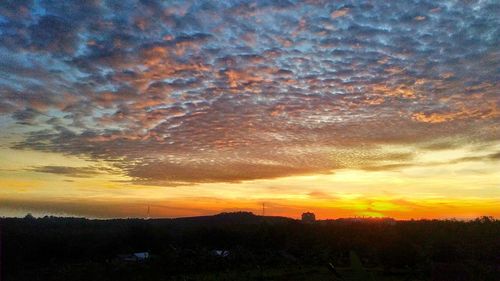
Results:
187 108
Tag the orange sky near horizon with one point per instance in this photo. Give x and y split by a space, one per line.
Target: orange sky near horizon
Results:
440 191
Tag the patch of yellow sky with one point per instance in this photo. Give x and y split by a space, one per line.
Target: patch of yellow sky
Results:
435 186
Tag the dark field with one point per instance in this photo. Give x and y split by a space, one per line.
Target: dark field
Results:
241 246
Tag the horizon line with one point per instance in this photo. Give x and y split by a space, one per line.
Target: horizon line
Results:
256 215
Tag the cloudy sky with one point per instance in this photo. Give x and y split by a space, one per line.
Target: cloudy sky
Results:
344 108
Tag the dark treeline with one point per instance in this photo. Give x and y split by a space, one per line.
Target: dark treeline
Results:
54 248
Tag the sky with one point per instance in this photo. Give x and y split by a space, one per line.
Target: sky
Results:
342 108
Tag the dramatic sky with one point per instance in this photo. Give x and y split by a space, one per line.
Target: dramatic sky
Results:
343 108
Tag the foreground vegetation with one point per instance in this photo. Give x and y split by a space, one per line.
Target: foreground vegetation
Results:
269 248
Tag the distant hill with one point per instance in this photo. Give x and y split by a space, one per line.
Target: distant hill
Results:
232 218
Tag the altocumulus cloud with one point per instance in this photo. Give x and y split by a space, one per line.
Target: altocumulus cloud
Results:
222 91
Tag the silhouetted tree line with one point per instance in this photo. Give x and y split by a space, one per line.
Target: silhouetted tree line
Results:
53 248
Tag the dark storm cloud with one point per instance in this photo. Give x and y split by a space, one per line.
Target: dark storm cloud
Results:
222 91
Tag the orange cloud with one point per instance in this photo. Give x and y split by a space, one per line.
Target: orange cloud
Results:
465 112
340 13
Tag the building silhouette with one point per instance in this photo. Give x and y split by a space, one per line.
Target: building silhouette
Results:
308 217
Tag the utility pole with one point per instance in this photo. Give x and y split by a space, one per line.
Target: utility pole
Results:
263 208
0 250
